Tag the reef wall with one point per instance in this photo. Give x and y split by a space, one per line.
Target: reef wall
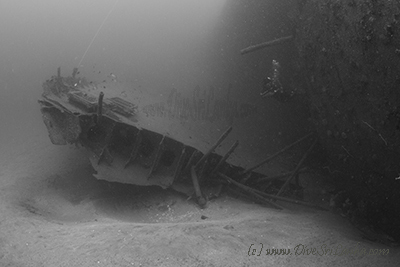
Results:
345 62
349 52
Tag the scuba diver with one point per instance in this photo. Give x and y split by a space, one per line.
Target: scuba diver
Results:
272 87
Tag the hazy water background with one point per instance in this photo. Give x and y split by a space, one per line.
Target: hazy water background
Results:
154 43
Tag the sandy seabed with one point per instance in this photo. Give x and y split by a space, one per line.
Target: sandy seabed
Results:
54 213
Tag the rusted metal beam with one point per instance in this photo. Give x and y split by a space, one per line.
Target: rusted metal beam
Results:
207 154
276 154
285 199
279 176
225 157
296 170
251 191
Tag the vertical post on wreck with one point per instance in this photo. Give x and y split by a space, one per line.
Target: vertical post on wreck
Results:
157 156
100 108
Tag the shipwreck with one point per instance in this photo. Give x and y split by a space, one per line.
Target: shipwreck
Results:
124 146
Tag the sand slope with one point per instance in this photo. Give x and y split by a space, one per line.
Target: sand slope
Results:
54 213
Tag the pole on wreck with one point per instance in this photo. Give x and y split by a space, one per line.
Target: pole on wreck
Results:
100 107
